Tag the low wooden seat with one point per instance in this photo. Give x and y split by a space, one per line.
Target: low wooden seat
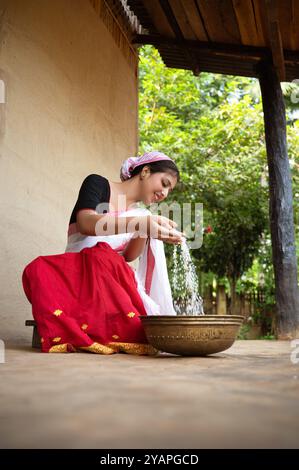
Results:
36 343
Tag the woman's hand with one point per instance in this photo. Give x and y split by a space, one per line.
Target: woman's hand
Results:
160 227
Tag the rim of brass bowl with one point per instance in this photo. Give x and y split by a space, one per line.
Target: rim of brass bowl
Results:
202 335
192 318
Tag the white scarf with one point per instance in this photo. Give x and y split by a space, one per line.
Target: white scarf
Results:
151 274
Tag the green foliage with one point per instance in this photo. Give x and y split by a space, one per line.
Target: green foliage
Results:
291 95
268 336
212 125
244 330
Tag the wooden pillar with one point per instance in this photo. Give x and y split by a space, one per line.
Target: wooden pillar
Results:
221 300
281 204
208 301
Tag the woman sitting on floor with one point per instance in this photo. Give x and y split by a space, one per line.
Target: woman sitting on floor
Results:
89 298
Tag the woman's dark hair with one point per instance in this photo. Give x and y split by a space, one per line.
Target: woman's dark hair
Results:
162 166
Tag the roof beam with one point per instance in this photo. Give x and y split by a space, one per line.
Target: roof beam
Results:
177 31
275 39
204 46
213 48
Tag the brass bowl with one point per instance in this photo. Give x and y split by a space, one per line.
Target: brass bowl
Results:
197 335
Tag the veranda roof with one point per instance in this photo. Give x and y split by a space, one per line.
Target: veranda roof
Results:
222 36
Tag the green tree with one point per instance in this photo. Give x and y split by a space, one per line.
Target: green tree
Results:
212 125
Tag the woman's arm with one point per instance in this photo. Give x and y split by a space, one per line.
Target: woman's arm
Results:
89 222
135 248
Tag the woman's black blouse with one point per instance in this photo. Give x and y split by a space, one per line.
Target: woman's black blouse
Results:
95 190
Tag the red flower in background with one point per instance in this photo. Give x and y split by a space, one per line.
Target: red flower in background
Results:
208 229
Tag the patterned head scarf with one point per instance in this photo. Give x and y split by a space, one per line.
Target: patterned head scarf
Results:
131 163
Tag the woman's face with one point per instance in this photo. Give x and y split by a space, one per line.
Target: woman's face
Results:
155 187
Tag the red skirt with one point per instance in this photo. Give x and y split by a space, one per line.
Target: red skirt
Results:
88 301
